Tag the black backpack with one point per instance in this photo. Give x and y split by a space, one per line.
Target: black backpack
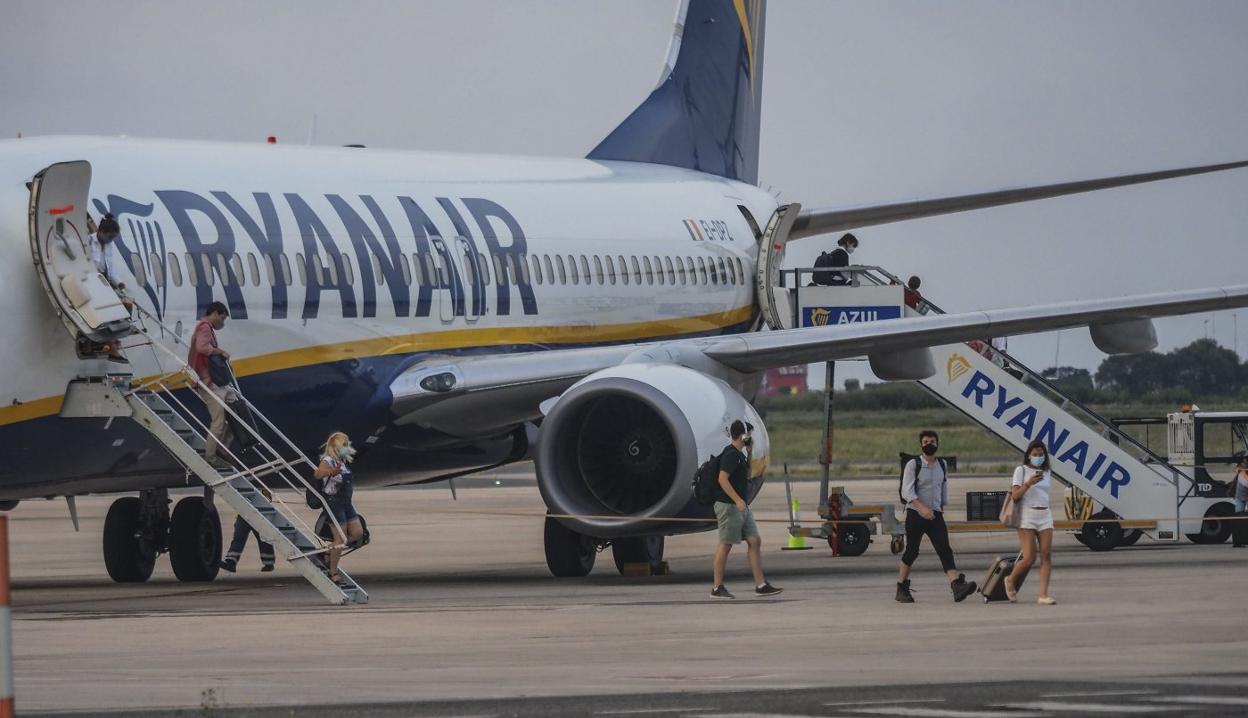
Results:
823 277
706 481
944 471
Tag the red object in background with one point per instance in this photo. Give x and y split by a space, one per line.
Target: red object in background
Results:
784 381
272 140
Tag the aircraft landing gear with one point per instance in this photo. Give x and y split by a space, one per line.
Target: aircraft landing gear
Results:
195 540
135 532
568 554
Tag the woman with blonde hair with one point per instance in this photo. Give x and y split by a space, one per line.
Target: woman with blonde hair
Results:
335 473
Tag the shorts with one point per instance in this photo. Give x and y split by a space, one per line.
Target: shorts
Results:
343 512
1036 519
735 526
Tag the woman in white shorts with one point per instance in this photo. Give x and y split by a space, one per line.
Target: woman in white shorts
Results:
1030 489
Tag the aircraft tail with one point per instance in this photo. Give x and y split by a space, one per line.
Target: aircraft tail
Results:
704 114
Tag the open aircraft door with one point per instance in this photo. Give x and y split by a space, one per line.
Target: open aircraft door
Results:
773 300
83 299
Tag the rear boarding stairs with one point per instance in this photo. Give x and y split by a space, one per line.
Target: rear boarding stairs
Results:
1139 492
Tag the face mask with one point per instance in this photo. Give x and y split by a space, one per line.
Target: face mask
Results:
849 249
1036 461
929 449
346 452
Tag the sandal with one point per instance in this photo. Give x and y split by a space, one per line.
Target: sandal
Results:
1010 592
337 578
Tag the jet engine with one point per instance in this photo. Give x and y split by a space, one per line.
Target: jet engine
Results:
627 441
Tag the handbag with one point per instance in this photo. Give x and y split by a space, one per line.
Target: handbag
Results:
1010 515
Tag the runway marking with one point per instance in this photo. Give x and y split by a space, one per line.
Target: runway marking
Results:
650 711
884 703
1203 700
1057 706
941 712
1093 694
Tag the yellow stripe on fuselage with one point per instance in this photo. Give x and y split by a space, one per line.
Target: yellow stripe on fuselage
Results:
437 341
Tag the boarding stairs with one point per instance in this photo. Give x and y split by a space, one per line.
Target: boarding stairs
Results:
271 462
1090 454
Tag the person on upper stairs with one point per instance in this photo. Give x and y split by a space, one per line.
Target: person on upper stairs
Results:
838 257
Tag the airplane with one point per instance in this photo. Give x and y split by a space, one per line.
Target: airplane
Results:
455 313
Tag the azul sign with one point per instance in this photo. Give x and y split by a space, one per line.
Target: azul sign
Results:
315 232
1011 413
825 316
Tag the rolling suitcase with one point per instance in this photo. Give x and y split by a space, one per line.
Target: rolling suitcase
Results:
993 585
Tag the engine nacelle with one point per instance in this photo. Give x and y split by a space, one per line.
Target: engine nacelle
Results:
627 441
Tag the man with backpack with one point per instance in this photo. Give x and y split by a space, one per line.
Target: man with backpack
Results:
736 521
838 257
925 492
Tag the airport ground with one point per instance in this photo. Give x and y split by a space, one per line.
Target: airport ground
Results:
464 620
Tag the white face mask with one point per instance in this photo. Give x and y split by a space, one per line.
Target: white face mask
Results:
849 249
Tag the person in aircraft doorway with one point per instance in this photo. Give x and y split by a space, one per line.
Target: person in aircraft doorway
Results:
736 522
335 473
204 345
925 490
103 246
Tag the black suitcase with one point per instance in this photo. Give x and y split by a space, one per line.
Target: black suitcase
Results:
993 585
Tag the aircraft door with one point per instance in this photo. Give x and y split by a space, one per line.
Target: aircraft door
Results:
451 287
83 299
773 300
474 279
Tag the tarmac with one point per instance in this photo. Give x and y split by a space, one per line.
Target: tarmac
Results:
464 619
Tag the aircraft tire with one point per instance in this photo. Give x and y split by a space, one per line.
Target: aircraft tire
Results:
568 554
1102 536
638 549
1214 532
853 539
195 540
128 558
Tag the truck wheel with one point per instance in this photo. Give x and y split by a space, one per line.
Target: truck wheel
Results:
1102 535
852 539
1213 532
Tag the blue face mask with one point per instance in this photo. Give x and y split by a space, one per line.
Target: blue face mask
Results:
1036 461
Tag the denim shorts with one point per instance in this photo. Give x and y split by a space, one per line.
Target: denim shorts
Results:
734 526
342 511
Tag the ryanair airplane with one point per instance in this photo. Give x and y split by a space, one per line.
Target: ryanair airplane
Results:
454 313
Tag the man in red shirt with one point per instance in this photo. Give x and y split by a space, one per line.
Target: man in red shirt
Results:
204 345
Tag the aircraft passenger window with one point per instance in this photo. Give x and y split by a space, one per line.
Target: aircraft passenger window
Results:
500 271
623 269
407 269
550 269
209 276
693 275
702 271
377 274
576 277
238 278
598 270
671 271
319 268
418 269
287 277
349 272
680 271
585 270
302 266
636 272
255 269
740 270
175 270
140 276
537 267
649 270
523 266
658 271
158 277
610 270
192 270
725 276
485 268
269 271
563 278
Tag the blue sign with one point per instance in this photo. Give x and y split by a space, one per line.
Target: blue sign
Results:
826 316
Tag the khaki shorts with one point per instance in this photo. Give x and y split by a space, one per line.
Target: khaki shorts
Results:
735 526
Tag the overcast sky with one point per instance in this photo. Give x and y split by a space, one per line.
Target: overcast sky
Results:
863 103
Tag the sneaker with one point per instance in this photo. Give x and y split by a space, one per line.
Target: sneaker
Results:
903 592
721 592
961 588
217 462
1046 601
1010 592
767 590
230 565
266 568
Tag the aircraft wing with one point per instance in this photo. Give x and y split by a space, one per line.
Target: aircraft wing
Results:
821 221
509 388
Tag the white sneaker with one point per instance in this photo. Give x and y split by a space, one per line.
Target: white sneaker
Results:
1046 601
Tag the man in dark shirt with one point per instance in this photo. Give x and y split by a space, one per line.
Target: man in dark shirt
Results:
845 246
736 522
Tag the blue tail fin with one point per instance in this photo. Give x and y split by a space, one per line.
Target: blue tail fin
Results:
704 114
